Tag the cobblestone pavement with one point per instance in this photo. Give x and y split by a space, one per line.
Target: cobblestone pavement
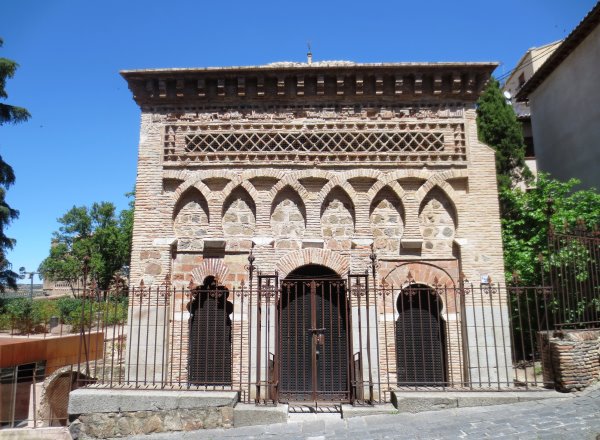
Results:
575 417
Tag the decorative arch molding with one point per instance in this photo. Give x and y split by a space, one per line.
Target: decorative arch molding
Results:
218 174
254 174
433 176
420 272
210 267
439 180
180 192
288 181
373 174
391 180
238 182
446 190
367 173
197 183
408 173
393 185
323 257
320 174
339 181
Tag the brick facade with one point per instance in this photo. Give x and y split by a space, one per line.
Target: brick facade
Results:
311 164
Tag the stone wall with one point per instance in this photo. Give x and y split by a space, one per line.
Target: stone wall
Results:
103 413
571 358
122 424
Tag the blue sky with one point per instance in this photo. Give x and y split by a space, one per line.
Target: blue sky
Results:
80 145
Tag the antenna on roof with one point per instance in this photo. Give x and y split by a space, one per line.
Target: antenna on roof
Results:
309 54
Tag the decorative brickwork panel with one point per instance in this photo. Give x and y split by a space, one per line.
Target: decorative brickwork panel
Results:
316 141
337 220
387 221
358 138
437 224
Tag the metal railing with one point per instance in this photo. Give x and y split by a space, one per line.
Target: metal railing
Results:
307 339
277 345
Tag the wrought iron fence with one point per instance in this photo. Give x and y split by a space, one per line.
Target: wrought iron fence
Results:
320 339
574 274
309 338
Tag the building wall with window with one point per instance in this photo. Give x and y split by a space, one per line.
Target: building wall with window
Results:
563 96
529 63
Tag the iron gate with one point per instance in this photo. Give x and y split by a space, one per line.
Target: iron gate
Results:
313 341
210 358
420 338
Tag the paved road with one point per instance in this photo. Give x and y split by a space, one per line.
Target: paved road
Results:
575 417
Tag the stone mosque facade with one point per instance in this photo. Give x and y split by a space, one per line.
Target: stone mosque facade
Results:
313 167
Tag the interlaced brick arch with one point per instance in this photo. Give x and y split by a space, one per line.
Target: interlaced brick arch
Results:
440 182
370 173
181 191
290 181
445 188
257 173
238 182
380 184
318 173
323 257
210 267
339 182
422 273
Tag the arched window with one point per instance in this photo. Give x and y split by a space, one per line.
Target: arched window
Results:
210 360
420 338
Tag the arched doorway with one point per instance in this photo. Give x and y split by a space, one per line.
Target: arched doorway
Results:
210 360
420 338
313 337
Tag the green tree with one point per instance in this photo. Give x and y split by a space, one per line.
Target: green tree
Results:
525 222
13 115
498 127
96 234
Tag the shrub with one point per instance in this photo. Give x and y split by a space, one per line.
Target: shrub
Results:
66 306
20 314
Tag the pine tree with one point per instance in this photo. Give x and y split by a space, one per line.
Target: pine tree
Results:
499 128
8 114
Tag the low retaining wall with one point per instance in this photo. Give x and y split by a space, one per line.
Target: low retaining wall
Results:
106 413
571 358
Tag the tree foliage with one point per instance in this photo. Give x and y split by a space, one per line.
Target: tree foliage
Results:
498 127
94 234
8 114
525 222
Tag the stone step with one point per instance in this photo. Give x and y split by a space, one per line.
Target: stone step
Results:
414 402
249 414
349 411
